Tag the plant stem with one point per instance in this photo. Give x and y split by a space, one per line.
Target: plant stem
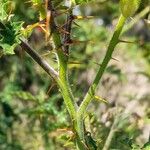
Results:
111 133
91 92
68 98
62 82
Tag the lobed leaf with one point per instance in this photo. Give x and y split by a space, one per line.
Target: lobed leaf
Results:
10 33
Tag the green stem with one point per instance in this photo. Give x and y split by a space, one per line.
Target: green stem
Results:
62 80
63 77
91 92
68 99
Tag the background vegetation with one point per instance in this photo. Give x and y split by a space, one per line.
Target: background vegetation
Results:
32 111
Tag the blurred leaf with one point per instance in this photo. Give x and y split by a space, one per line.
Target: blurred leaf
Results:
100 99
82 1
3 12
146 146
91 143
57 3
24 95
5 94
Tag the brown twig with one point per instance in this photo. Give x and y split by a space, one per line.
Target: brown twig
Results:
43 63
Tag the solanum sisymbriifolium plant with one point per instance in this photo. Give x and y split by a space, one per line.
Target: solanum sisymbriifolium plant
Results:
61 37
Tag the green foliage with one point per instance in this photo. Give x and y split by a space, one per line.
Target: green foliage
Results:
9 36
32 110
10 30
146 146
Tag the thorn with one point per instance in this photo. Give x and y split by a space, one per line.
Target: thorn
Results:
62 30
83 17
75 62
115 59
132 42
71 18
45 54
61 13
132 18
100 99
76 24
97 63
50 88
75 42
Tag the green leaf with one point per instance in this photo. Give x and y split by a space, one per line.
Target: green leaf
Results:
146 146
9 29
9 36
24 96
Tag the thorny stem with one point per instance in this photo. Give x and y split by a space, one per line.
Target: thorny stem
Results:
91 92
63 82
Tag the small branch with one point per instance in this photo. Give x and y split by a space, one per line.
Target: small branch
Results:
111 133
44 64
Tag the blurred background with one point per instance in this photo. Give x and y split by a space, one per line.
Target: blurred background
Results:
32 112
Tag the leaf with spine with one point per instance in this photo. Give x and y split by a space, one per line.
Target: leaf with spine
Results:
10 32
129 7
